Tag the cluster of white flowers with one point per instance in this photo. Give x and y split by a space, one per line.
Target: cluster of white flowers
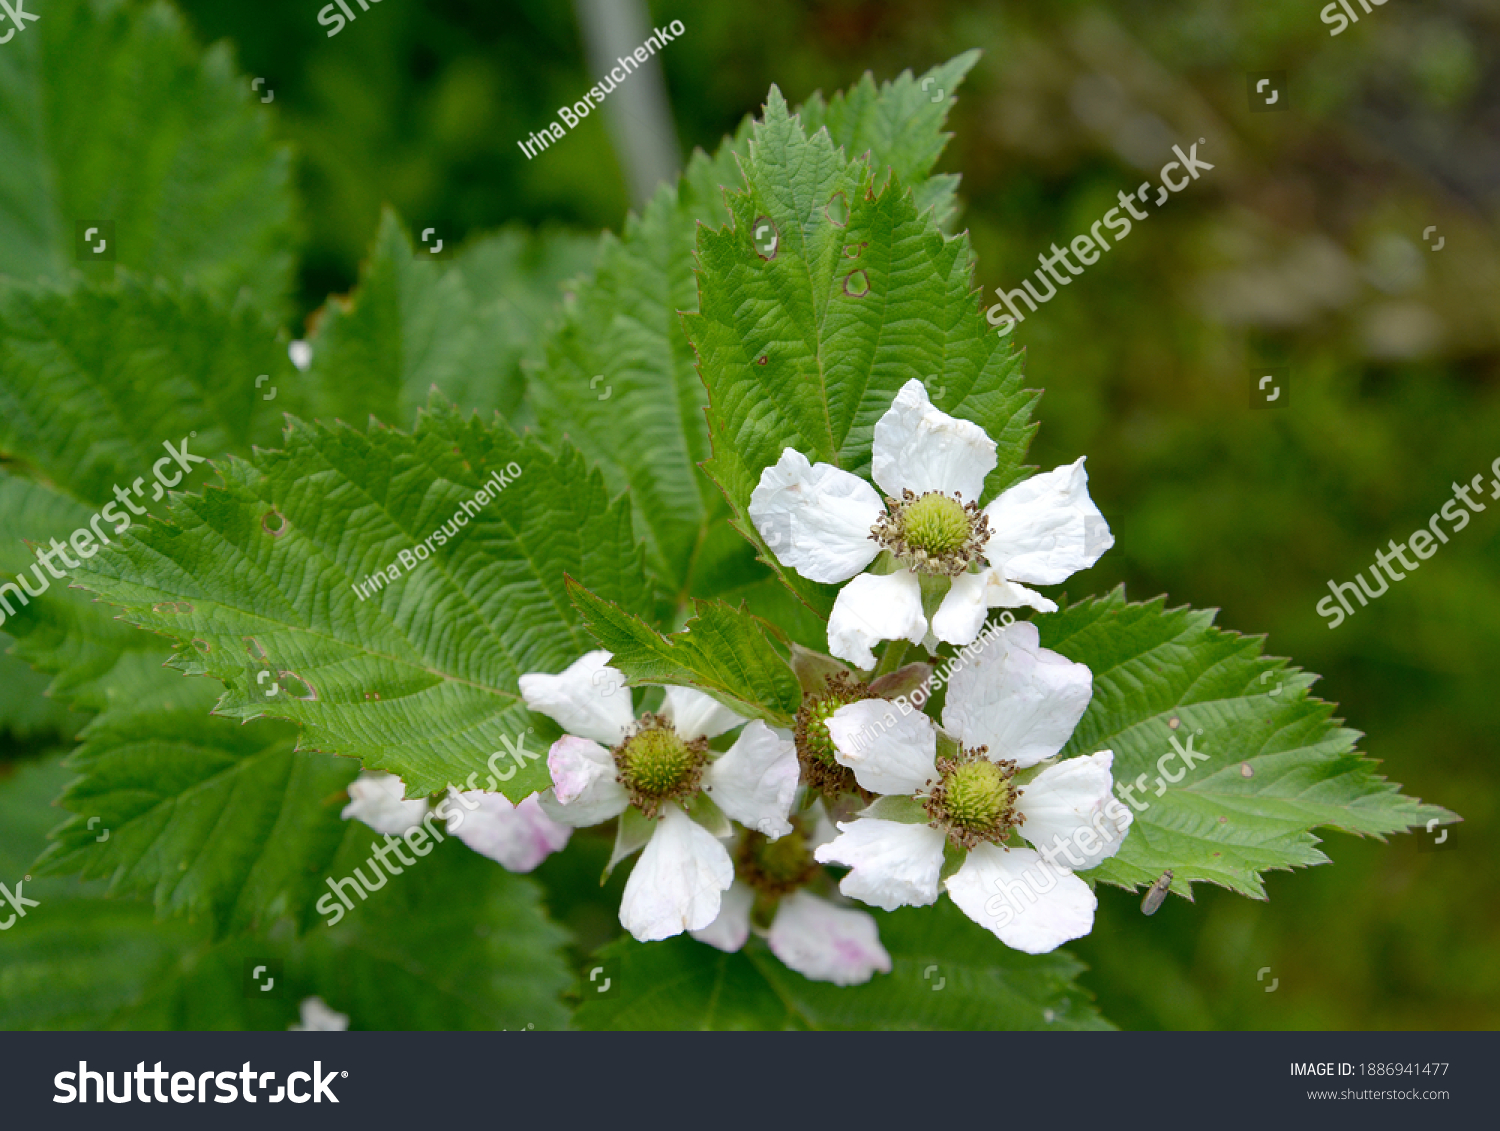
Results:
735 819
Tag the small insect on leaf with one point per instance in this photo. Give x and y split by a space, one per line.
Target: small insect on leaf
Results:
1157 893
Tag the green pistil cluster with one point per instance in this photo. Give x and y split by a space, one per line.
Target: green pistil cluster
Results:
820 769
974 800
933 533
776 867
656 766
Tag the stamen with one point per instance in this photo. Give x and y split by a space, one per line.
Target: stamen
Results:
933 533
974 800
815 751
656 765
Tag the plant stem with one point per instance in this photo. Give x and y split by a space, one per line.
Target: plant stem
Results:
890 658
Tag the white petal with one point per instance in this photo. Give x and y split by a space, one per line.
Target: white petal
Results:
827 943
730 930
1072 814
816 518
1047 529
588 699
1028 904
961 615
1002 594
894 865
1020 700
677 883
889 751
922 448
873 608
755 780
517 837
317 1017
377 799
696 715
584 790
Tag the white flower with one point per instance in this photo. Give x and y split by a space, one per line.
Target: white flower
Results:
817 938
830 525
661 764
318 1018
378 800
1012 707
518 837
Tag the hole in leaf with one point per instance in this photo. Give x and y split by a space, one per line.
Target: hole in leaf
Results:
766 238
254 650
761 360
274 523
293 683
857 284
837 210
202 646
855 250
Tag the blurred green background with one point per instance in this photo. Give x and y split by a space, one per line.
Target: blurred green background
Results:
1302 248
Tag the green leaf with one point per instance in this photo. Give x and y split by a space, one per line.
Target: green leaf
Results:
421 677
947 973
900 126
219 821
1278 765
807 348
723 652
111 115
95 379
416 321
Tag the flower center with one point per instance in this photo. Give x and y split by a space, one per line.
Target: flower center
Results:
933 533
974 799
815 751
776 867
657 765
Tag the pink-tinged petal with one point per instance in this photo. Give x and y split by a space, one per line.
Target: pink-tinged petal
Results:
584 789
755 780
517 837
678 882
827 943
890 751
378 799
1072 815
920 448
872 608
1020 700
696 715
1046 529
730 930
1027 903
816 518
589 698
893 865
